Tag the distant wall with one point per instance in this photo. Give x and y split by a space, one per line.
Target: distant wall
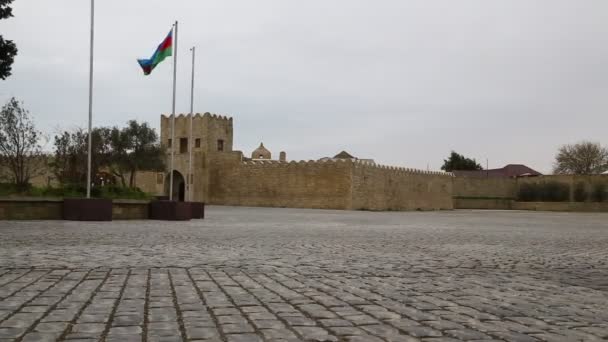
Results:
342 184
465 187
483 203
496 193
377 187
151 182
43 176
324 185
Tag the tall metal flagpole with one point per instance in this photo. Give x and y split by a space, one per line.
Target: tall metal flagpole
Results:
191 179
173 110
90 98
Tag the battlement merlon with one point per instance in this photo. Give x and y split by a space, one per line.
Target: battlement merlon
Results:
399 169
197 115
338 162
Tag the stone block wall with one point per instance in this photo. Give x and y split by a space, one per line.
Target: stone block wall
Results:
312 184
151 182
129 210
489 188
342 184
378 187
31 208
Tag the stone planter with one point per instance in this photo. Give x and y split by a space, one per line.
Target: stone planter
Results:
198 210
170 211
87 209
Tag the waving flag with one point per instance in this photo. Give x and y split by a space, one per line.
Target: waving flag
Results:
164 50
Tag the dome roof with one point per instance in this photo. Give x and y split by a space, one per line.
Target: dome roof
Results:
261 153
344 155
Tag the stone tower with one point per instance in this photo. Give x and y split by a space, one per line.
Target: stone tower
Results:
212 135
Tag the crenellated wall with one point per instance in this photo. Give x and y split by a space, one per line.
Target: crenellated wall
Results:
380 187
311 184
225 178
334 184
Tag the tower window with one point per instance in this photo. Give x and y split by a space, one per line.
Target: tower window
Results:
169 143
183 145
220 145
197 143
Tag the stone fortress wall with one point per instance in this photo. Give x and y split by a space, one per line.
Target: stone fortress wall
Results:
340 184
311 184
225 177
380 187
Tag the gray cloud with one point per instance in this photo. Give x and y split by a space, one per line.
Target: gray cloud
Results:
403 82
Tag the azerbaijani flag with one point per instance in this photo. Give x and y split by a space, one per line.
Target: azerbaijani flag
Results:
164 50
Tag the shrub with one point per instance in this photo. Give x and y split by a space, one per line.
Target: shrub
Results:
7 189
114 191
599 192
543 192
528 192
555 192
580 193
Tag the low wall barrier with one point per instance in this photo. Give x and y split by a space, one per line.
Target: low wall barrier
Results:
489 203
32 208
511 204
590 207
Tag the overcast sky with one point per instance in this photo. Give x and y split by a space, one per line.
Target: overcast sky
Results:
402 82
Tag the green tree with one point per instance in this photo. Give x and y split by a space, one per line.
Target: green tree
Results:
120 151
70 156
583 158
8 49
134 148
20 149
459 162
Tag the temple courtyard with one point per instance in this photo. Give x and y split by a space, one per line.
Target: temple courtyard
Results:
261 274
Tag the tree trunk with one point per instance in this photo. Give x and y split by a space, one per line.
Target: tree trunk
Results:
132 179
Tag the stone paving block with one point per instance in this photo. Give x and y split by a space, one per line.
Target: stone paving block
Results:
243 338
13 333
467 334
315 333
40 337
51 327
88 328
202 333
268 324
398 277
237 328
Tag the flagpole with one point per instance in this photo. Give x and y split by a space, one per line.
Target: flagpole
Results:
173 110
191 179
90 98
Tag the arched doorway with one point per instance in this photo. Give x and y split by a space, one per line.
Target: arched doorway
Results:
179 186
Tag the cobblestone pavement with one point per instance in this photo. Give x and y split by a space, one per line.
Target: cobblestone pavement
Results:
247 274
